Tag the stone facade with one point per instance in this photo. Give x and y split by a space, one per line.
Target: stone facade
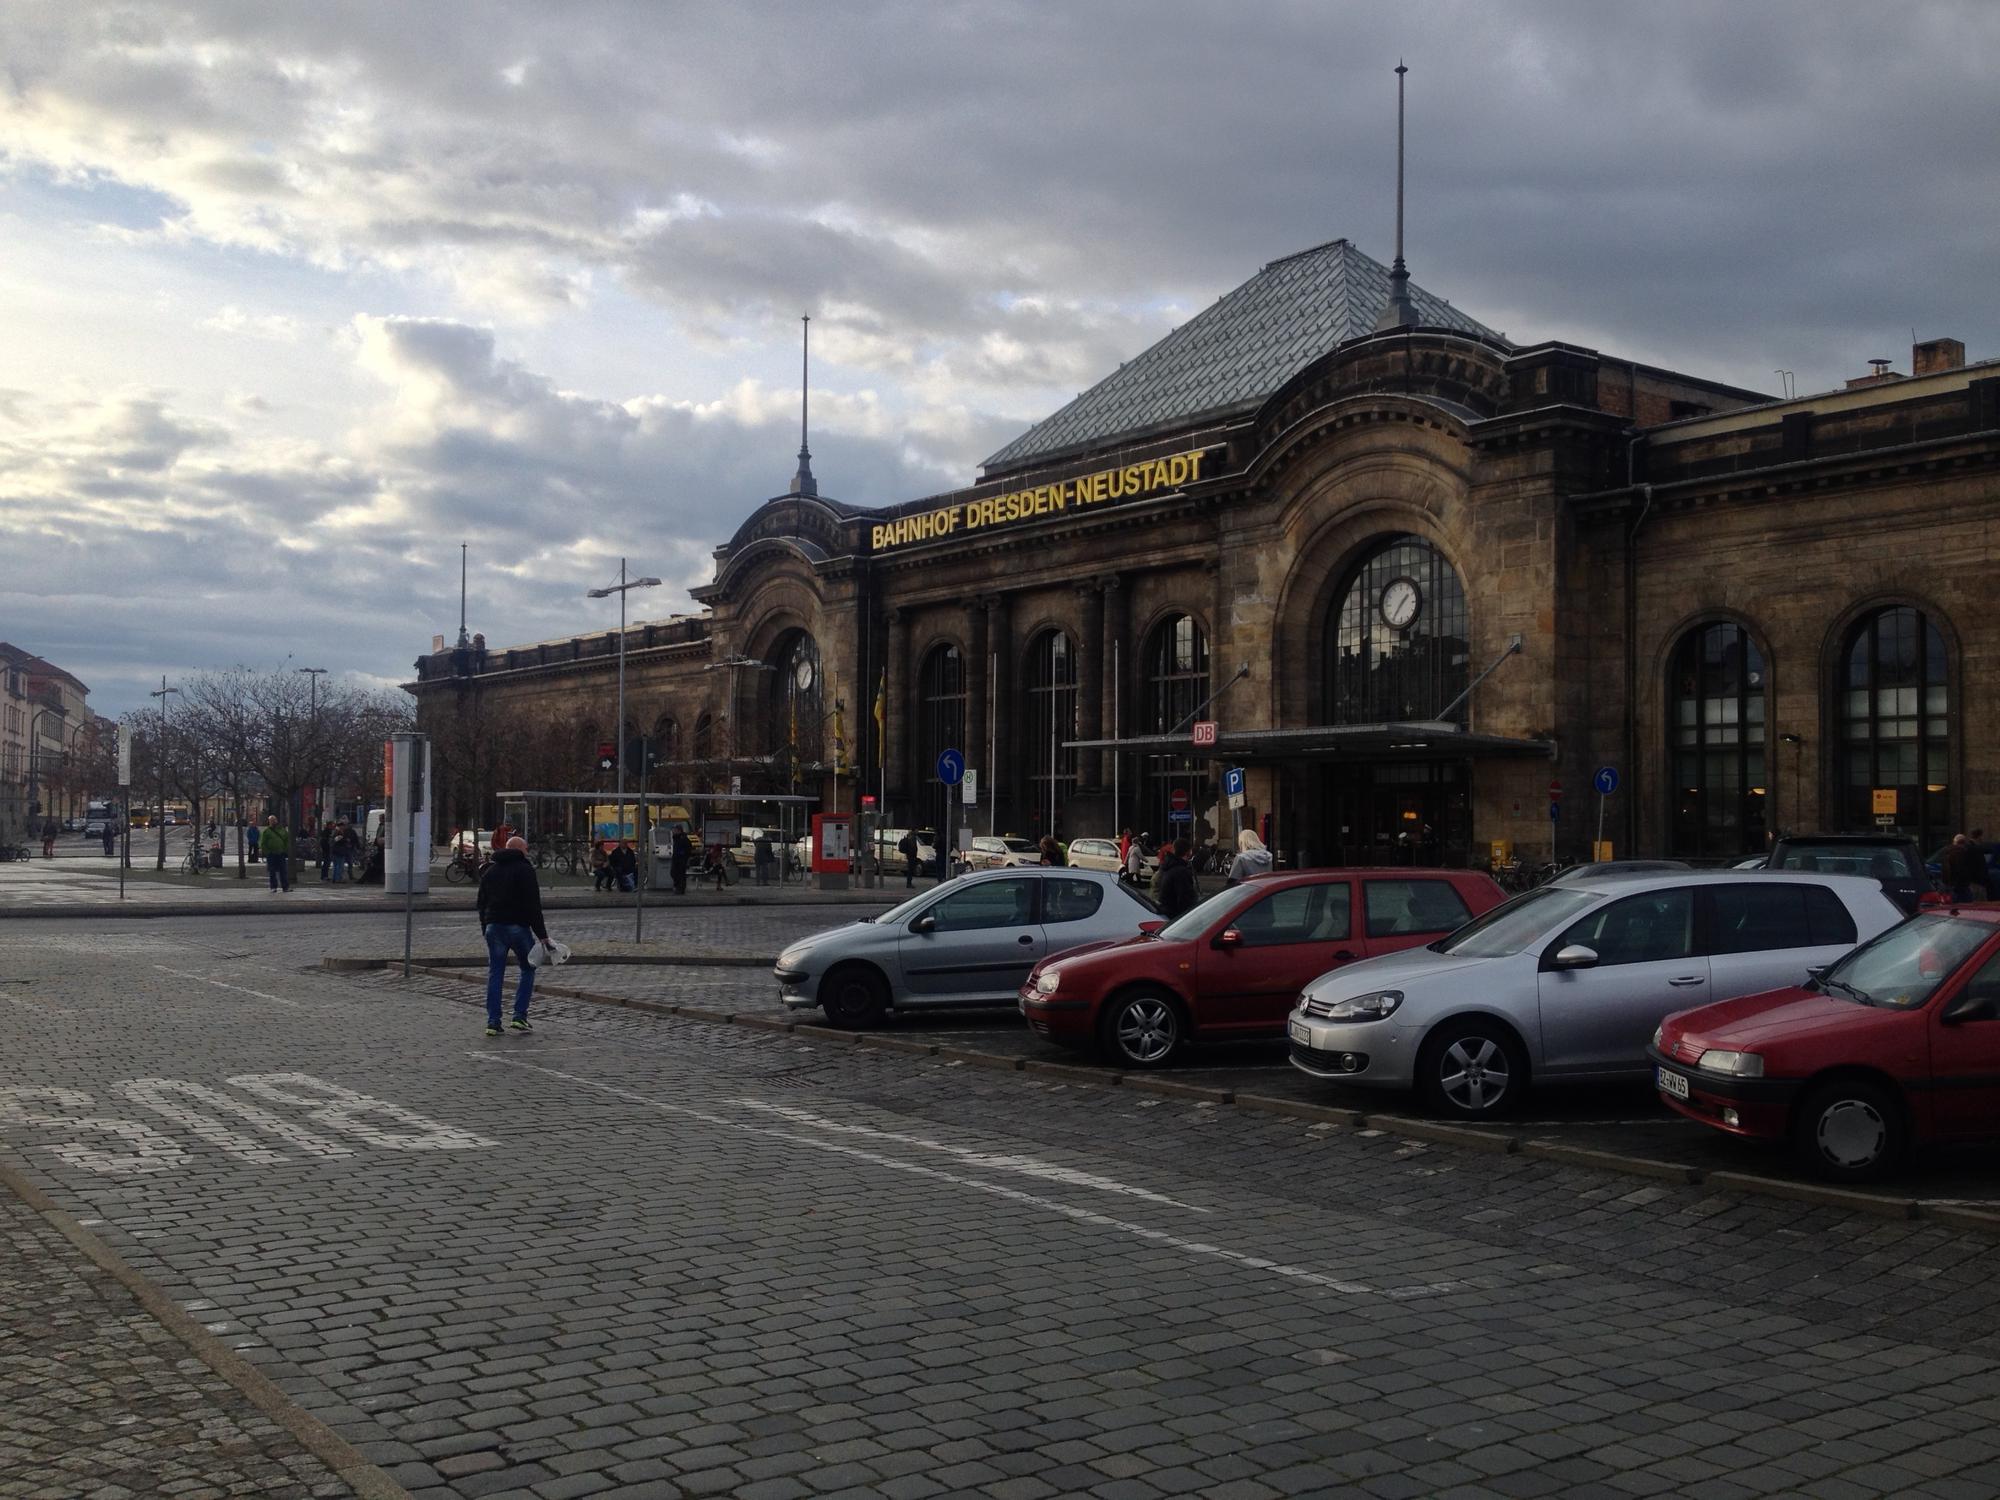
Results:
1573 516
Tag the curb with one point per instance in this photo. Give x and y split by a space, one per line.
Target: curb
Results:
321 1441
613 960
393 906
1492 1142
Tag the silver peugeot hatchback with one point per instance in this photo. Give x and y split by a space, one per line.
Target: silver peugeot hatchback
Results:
969 942
1568 981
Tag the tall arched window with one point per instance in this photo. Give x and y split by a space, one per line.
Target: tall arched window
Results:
1051 721
1177 792
1894 734
1716 740
667 739
1396 645
795 710
940 726
704 738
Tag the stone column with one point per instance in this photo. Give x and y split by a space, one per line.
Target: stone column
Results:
1090 687
896 707
1000 643
1118 678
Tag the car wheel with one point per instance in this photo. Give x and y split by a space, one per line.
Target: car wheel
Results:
1472 1070
854 997
1850 1130
1142 1030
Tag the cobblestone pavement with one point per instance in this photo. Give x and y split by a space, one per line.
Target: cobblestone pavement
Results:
637 1256
100 1400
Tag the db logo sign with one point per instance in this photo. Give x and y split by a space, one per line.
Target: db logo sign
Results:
1204 732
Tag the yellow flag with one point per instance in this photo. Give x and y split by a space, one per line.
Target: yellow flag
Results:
881 715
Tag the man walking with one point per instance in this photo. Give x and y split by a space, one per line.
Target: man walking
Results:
1173 882
342 840
764 856
277 846
510 914
677 865
250 842
907 847
1964 869
50 828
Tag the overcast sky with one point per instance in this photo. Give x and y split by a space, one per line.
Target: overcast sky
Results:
298 297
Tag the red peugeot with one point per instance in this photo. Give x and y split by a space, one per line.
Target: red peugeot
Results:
1897 1042
1234 965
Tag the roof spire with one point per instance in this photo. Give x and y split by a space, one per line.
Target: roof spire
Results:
803 482
1400 311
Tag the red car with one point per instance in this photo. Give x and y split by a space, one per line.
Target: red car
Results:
1898 1042
1234 965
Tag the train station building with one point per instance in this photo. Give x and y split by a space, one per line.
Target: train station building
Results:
1424 582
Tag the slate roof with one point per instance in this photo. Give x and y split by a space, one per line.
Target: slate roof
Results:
1236 352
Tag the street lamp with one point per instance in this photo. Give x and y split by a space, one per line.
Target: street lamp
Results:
621 588
1798 744
160 760
312 676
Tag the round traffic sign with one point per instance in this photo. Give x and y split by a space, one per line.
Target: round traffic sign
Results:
1606 780
1555 788
951 767
1179 799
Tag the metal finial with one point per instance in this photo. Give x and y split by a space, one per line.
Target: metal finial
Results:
1400 311
803 482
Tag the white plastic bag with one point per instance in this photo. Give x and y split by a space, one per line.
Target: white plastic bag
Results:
548 953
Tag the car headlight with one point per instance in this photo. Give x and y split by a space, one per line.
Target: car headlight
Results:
1375 1006
1736 1064
1047 983
794 958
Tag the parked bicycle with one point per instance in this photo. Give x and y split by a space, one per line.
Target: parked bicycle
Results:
466 865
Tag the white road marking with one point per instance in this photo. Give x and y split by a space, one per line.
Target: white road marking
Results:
222 985
1026 1166
1070 1211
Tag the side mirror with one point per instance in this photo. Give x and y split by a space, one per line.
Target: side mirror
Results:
925 923
1153 926
1575 956
1973 1005
1818 972
1229 937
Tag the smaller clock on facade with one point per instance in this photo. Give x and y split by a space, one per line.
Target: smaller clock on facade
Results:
802 674
1401 600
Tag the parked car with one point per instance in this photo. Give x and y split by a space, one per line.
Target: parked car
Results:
1893 861
1567 982
72 825
94 829
1234 965
989 852
745 850
1898 1042
891 857
1102 854
967 943
1609 869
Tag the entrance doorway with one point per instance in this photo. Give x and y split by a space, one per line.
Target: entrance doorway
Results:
1398 813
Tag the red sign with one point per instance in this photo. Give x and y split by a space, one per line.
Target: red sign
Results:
868 802
1204 732
1179 800
1555 788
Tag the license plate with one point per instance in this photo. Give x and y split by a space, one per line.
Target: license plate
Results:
1672 1083
1302 1033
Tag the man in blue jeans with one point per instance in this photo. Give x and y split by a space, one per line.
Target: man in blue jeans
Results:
510 914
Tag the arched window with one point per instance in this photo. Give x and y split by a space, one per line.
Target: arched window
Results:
704 737
1051 721
940 725
1894 731
796 712
1396 646
1177 793
667 739
1716 740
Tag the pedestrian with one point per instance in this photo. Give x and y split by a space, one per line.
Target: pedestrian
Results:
250 839
1173 882
677 862
1052 852
765 856
907 847
325 860
110 834
1252 858
1124 848
50 829
1135 859
510 915
623 866
1964 869
343 852
600 868
276 843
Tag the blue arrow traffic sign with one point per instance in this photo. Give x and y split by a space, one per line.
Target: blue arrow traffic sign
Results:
1606 780
951 767
1555 811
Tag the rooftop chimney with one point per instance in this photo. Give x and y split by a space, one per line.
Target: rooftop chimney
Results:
1878 374
1935 355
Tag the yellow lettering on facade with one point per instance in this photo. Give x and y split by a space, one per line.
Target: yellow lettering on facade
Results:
1124 483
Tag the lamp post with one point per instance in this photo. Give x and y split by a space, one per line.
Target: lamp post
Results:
1798 744
621 588
160 756
312 676
736 664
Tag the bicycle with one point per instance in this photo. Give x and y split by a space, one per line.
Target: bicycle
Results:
195 861
465 867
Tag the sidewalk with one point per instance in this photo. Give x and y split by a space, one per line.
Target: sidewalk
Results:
103 1399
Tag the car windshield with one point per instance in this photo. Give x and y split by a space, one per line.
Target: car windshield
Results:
1197 920
1903 967
1511 926
1879 861
1020 846
908 909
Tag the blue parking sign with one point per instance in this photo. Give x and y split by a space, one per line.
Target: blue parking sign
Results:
1232 781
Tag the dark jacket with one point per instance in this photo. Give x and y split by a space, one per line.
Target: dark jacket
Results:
621 861
682 852
1964 864
1173 886
509 893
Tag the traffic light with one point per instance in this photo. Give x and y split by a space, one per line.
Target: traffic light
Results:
607 755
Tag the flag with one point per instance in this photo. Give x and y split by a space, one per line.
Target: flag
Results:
881 716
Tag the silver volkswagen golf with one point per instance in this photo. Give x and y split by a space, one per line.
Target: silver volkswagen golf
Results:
1568 981
969 942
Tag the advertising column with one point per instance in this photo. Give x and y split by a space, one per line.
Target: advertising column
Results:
406 829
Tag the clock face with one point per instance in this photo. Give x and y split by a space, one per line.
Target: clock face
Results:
802 674
1400 603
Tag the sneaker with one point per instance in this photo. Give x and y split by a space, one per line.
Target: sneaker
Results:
517 1026
493 1031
